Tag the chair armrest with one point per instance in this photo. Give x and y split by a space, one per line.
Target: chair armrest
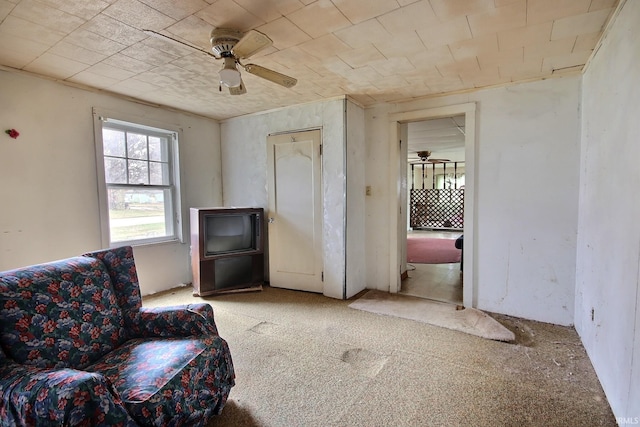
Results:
43 397
181 321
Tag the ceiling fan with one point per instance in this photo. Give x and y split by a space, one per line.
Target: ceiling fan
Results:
425 157
232 46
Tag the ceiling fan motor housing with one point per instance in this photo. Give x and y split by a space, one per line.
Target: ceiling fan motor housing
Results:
223 40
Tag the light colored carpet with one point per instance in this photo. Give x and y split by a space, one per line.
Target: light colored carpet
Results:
468 320
305 360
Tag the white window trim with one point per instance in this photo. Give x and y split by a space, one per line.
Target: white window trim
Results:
99 116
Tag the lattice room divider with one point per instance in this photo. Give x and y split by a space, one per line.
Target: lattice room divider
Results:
437 208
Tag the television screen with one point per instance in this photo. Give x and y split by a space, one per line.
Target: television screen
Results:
229 233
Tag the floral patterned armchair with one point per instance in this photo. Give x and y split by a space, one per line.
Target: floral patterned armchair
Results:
78 348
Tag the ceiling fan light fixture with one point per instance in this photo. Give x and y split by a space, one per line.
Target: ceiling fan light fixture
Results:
229 74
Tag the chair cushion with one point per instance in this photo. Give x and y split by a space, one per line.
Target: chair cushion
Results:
141 367
62 314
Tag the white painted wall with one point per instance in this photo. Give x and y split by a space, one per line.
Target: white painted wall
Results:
527 154
608 252
355 155
244 171
48 184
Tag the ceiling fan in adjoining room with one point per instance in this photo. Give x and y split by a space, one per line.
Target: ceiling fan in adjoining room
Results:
232 46
425 157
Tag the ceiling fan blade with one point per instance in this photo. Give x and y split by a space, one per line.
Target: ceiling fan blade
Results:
180 42
238 90
251 43
272 76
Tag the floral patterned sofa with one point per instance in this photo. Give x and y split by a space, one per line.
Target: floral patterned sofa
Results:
78 348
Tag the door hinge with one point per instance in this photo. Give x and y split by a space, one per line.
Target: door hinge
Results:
321 149
322 276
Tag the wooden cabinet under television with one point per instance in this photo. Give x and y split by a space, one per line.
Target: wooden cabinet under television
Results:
227 250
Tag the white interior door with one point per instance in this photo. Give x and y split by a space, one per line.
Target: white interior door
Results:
295 211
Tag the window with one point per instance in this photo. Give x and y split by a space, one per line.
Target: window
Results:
138 170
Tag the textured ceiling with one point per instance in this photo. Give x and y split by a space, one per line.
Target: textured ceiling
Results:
372 50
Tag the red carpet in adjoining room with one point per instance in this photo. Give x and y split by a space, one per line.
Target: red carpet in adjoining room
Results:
426 250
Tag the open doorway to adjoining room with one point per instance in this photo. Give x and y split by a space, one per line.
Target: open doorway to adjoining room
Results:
435 209
400 185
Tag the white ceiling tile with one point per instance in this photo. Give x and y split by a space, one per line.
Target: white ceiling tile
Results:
88 78
92 41
109 71
361 10
501 58
524 36
453 31
602 4
586 41
580 24
363 34
176 9
513 15
522 71
5 8
46 16
148 54
319 18
139 15
127 63
193 30
550 48
284 33
540 11
447 10
274 9
362 56
390 67
229 14
324 47
77 53
84 10
409 46
432 57
112 29
56 66
408 19
474 47
30 31
18 51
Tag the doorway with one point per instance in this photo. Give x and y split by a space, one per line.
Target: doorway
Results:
399 153
435 208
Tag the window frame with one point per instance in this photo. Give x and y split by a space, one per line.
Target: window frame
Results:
149 128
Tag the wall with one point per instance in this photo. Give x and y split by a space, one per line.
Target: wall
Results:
356 193
244 171
527 154
608 253
49 186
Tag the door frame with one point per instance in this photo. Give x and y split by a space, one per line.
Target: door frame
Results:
398 182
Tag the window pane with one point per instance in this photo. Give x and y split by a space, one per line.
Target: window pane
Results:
158 149
137 146
113 142
159 173
139 214
115 170
138 172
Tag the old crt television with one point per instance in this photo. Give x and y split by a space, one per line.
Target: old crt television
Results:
226 249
